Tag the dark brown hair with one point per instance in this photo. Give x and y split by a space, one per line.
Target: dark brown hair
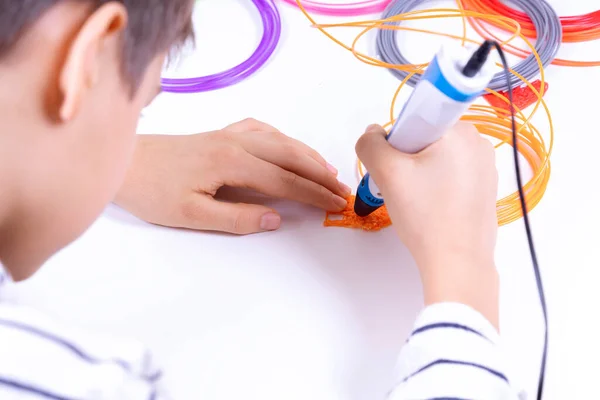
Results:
154 26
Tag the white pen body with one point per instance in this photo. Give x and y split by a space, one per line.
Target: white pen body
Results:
442 96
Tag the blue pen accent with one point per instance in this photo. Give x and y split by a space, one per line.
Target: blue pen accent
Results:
434 75
365 194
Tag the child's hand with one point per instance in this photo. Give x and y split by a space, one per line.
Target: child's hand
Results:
173 179
442 202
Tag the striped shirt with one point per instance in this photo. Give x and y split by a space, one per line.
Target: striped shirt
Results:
452 353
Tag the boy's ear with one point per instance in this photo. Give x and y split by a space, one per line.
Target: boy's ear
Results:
82 65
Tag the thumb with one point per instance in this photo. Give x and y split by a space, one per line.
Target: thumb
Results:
206 213
375 152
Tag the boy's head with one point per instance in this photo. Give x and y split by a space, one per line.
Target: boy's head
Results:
74 76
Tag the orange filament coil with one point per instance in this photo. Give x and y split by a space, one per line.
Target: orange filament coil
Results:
490 121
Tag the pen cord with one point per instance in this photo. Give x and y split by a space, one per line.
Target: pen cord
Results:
534 260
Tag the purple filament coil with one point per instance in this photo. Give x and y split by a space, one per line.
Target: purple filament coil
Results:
271 22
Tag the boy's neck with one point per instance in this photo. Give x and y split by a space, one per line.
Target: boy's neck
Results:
9 139
19 252
31 149
5 197
7 201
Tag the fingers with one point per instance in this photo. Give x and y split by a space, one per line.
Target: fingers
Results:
287 169
205 213
253 125
250 125
312 153
294 157
465 127
467 134
272 180
375 152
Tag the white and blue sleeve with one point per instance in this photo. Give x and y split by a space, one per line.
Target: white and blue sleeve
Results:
453 353
42 359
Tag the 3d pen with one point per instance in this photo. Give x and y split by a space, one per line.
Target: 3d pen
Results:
455 78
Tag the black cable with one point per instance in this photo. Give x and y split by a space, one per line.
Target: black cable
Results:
536 268
478 59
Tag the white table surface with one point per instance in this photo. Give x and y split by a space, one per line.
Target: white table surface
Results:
315 313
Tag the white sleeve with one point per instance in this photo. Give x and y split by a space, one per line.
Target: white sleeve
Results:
452 353
43 359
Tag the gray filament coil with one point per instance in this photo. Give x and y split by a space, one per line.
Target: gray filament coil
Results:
547 25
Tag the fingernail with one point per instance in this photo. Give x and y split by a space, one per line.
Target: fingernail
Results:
346 190
372 127
270 222
340 202
332 169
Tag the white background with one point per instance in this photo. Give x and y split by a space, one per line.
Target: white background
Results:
315 313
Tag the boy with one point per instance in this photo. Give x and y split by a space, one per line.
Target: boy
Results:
67 136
